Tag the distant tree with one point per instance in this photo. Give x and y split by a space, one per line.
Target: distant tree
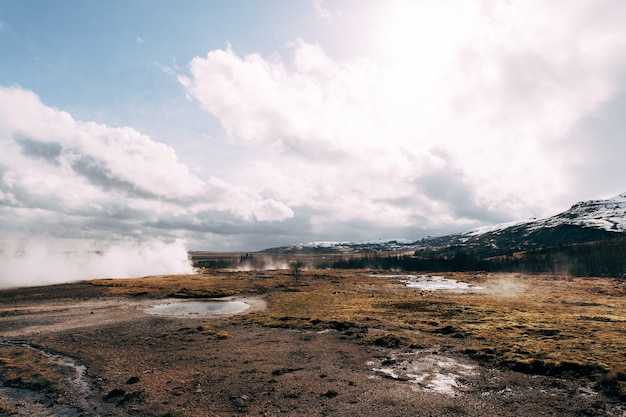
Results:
296 270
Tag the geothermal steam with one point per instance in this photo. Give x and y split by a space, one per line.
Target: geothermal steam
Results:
39 264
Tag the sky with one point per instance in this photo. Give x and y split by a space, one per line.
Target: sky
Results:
158 126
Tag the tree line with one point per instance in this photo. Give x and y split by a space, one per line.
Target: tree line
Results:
603 258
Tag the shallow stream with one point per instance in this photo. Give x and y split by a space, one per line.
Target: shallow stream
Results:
36 404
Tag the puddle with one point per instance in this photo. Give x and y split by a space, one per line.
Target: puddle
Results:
199 308
436 283
426 370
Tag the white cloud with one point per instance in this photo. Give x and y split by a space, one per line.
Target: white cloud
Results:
68 179
323 12
479 97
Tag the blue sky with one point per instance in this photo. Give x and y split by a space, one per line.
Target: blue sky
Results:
105 61
243 125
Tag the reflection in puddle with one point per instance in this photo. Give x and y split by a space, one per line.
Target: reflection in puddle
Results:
199 308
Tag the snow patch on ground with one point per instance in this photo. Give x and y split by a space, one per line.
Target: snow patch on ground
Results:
437 283
433 283
426 370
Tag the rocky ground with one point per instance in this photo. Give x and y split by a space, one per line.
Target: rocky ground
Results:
103 355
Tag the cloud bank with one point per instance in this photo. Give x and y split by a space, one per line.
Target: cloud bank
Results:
458 115
56 170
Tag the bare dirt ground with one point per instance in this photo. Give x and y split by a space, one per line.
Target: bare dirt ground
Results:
331 344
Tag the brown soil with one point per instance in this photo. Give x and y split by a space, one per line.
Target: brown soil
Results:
143 365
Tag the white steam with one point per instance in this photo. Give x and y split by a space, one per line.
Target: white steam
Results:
32 264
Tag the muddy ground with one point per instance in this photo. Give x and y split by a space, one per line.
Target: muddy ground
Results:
97 352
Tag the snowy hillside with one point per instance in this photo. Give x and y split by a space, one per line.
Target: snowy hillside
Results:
380 245
584 222
608 215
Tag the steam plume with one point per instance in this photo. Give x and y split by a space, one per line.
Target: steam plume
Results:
32 264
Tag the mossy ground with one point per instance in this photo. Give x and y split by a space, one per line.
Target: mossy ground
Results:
206 285
22 367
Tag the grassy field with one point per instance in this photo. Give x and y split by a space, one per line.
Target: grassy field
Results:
537 324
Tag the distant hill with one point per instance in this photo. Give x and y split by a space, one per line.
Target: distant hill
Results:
587 221
589 238
331 247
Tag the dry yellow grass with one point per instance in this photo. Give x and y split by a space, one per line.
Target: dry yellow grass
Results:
532 323
213 284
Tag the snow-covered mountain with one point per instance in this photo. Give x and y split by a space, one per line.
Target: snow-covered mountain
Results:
584 222
609 215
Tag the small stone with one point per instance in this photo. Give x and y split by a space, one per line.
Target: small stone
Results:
330 394
132 380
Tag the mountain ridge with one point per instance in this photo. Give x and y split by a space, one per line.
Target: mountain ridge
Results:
585 221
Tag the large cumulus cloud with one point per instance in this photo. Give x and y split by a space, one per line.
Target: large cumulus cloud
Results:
80 180
458 116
